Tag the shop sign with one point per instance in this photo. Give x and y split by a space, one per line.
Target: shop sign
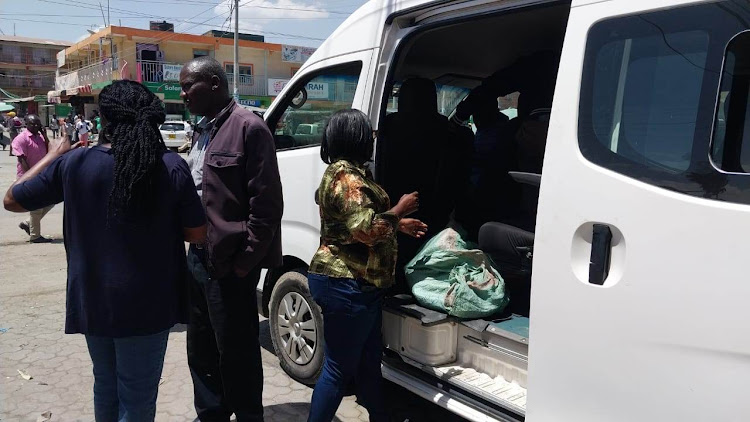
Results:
252 103
275 86
172 72
171 90
295 54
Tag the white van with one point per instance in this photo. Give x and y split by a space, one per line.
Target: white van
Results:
639 298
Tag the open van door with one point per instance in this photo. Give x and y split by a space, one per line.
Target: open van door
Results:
639 294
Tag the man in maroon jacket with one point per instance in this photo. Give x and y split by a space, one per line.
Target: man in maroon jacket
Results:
233 163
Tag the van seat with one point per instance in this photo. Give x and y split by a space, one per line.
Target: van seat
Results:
406 305
511 248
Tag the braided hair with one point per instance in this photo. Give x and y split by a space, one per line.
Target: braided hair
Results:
132 114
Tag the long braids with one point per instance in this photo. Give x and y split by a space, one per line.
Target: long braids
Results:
132 114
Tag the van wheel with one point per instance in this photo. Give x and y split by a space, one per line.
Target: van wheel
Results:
296 328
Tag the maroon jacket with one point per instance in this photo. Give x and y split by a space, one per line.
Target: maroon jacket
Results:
241 194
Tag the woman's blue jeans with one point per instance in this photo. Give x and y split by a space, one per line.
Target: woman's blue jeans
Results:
352 315
126 376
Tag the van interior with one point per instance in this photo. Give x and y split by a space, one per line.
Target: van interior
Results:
483 176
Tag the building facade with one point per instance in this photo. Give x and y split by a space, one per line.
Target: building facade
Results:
156 57
27 72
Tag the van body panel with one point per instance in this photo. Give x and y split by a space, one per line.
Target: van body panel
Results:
302 169
653 342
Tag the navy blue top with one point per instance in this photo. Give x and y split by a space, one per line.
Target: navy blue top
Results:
124 279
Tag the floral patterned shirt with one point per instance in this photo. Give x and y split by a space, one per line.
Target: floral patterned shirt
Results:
358 234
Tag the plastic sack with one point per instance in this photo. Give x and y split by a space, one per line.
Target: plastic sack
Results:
453 276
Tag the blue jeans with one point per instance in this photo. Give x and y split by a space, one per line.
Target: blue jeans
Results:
352 315
126 376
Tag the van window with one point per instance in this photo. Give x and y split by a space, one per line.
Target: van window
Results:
731 140
646 96
313 101
658 99
448 98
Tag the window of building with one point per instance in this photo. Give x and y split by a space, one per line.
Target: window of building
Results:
246 73
200 53
731 139
314 100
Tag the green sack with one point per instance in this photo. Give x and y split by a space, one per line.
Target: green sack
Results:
453 276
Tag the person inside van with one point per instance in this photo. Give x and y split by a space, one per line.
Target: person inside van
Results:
493 195
354 265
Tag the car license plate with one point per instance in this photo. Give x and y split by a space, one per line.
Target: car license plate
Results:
172 136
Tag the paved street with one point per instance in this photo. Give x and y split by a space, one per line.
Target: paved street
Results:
32 310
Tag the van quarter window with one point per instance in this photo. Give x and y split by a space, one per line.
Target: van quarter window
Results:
731 142
649 98
325 92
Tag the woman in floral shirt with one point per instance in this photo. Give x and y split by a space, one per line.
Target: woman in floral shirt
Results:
355 262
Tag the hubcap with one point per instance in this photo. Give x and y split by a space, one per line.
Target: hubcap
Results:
297 328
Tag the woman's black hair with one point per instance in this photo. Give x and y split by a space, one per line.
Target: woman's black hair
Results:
347 136
133 115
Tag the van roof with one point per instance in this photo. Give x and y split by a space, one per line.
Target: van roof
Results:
350 36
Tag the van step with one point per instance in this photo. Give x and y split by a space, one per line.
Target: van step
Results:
496 390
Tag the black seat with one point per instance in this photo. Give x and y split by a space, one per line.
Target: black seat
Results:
511 248
418 150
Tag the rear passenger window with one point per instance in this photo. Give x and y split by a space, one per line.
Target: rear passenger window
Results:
664 98
731 141
646 95
311 104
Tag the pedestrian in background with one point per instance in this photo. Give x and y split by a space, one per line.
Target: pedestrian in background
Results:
82 128
233 162
354 265
126 261
29 147
68 130
13 123
54 126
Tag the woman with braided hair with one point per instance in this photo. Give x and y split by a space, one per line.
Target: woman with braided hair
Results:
129 207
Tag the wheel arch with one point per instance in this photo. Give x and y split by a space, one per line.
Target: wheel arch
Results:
272 276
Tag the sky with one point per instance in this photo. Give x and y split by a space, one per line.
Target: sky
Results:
297 22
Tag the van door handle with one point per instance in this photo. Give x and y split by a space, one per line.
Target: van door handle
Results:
601 254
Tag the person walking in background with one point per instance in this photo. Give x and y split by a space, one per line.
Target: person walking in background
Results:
54 126
68 130
13 123
29 147
82 128
354 265
234 167
126 261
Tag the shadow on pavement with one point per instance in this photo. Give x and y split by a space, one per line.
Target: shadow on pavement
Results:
291 412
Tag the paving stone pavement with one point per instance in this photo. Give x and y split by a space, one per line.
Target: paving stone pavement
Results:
32 310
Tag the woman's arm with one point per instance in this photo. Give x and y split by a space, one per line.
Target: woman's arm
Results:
61 148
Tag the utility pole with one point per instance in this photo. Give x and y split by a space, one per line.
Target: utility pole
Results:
109 20
236 90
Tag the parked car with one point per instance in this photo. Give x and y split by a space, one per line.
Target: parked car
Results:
175 133
638 299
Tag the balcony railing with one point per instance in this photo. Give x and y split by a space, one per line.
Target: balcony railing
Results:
98 72
30 59
27 81
151 71
249 84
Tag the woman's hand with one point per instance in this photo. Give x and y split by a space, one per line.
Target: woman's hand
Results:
408 204
62 146
412 227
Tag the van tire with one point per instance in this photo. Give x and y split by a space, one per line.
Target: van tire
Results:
292 286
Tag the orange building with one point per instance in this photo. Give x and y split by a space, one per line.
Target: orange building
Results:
155 58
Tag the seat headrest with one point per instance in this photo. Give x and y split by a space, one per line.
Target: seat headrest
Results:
418 95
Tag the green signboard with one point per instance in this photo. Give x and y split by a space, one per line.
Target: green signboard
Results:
171 90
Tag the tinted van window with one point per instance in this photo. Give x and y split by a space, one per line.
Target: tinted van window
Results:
649 96
731 144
